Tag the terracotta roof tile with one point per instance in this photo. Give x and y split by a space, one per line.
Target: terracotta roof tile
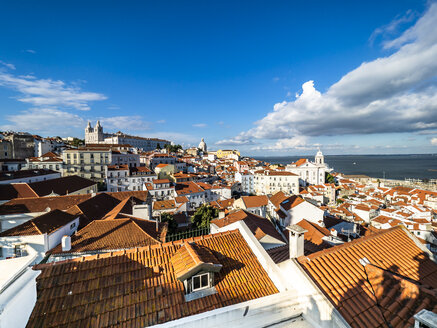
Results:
164 205
399 273
191 258
291 202
278 198
16 190
114 235
138 288
120 195
61 186
46 223
259 225
255 201
40 204
186 188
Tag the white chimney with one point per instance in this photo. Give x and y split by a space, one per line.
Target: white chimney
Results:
296 240
142 211
66 243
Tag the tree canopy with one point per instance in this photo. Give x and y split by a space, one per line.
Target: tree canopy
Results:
172 224
173 148
204 215
329 178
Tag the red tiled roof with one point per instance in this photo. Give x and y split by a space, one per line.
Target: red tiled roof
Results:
401 275
46 223
159 181
138 288
259 225
61 186
189 187
115 235
291 202
40 204
301 161
120 195
16 190
164 204
278 198
315 233
124 207
255 201
181 199
191 258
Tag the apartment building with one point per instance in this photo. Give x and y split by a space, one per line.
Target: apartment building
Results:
270 182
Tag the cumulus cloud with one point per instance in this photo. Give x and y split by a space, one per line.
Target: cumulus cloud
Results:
48 92
396 93
298 142
44 121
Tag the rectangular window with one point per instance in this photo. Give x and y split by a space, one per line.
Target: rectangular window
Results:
72 225
200 281
20 250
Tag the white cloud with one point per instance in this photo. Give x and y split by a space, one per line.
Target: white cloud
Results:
237 141
200 125
8 65
48 93
30 51
434 141
44 121
397 93
393 27
298 142
161 121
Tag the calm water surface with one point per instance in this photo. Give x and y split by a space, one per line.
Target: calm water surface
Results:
379 166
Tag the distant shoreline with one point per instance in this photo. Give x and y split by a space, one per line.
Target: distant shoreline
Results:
312 155
394 167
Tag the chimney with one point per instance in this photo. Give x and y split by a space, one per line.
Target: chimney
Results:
296 240
66 243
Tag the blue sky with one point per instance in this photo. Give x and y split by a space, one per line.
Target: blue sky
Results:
238 74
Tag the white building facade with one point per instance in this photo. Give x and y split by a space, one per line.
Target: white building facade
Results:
310 172
96 135
270 182
247 182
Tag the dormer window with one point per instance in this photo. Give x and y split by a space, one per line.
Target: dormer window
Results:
195 265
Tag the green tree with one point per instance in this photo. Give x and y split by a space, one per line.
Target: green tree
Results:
158 146
204 215
172 148
329 178
77 142
172 224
